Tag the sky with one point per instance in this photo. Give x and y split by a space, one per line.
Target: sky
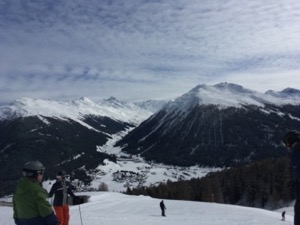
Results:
137 50
118 209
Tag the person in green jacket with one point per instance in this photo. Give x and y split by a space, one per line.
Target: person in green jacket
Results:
30 203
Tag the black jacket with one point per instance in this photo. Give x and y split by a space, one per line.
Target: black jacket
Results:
162 205
295 167
61 190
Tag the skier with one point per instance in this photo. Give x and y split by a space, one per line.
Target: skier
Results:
292 141
30 203
163 208
283 216
60 189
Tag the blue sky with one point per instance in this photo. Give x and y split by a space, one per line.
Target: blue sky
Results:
145 49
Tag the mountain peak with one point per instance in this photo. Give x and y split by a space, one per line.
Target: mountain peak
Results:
83 100
112 99
234 88
232 95
75 109
287 93
291 91
224 94
114 102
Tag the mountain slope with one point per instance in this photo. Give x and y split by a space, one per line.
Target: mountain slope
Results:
116 209
62 135
220 125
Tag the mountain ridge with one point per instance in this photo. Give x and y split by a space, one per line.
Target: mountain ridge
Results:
233 95
75 109
219 125
223 94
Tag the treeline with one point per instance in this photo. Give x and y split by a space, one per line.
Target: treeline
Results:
264 184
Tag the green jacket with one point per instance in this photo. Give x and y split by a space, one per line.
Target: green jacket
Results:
30 201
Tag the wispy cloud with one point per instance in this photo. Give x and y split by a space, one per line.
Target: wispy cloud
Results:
138 50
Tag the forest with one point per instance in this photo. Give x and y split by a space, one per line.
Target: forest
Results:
263 184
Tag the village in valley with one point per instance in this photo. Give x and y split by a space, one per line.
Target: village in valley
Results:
133 171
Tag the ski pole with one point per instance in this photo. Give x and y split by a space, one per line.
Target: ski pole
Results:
80 214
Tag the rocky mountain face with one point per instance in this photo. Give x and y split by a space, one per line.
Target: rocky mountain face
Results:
61 135
220 125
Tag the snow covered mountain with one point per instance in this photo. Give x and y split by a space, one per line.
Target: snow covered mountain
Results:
61 134
223 124
290 93
152 105
75 110
219 125
227 95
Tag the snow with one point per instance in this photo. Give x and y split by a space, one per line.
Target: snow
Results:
134 171
232 95
222 94
76 110
152 105
118 209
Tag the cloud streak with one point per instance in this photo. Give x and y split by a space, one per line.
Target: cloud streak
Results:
139 50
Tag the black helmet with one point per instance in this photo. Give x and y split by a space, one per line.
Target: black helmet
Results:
291 137
32 168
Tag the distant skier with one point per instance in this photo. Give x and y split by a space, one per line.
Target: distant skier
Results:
283 216
163 208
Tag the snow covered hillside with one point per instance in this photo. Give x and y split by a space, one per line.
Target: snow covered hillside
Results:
75 109
119 209
232 95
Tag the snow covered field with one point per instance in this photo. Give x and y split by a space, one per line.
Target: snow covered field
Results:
118 209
